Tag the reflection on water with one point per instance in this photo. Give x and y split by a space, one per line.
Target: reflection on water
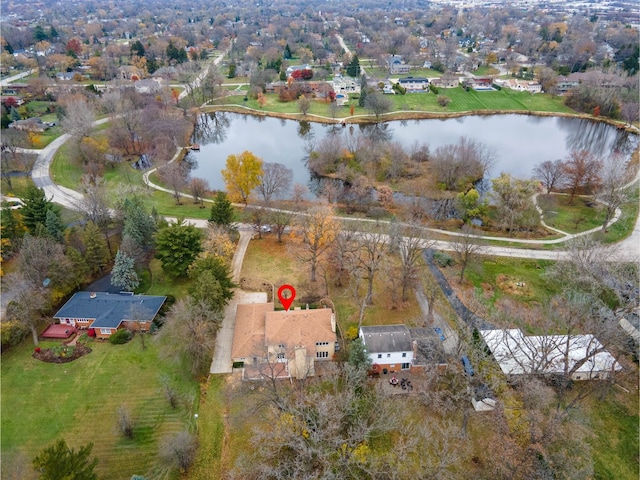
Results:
521 141
211 128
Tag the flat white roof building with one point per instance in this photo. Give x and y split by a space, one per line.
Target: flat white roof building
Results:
581 356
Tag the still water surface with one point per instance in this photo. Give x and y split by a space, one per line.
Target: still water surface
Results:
520 141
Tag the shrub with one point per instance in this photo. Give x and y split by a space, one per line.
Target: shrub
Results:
433 88
12 333
442 259
443 101
121 336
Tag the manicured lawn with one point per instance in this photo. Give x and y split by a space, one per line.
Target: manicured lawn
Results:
461 101
77 401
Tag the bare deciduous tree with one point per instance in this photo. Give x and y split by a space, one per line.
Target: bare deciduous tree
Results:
198 187
275 180
190 330
304 104
78 119
316 231
125 421
465 247
550 173
175 174
581 172
178 450
456 165
410 246
612 190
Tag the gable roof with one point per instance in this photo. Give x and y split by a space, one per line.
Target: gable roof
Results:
109 310
386 338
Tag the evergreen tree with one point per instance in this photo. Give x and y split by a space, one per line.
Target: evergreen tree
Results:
14 115
213 283
80 268
287 52
353 69
138 224
53 33
177 246
39 34
221 210
179 55
59 462
35 208
137 48
123 274
54 225
96 254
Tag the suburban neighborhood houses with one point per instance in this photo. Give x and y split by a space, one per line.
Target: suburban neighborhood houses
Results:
294 240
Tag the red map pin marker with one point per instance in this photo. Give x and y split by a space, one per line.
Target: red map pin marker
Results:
288 300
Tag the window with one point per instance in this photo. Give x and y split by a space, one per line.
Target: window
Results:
320 344
406 366
281 356
281 345
322 354
388 355
105 331
379 355
404 354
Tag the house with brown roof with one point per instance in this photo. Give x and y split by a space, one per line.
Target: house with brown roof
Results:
285 344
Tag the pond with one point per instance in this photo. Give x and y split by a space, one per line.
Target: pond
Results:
519 141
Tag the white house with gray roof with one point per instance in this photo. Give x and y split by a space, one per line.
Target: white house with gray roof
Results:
388 346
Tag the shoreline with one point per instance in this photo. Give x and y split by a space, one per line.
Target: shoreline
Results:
408 115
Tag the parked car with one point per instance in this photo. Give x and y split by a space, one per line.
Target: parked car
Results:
440 333
466 364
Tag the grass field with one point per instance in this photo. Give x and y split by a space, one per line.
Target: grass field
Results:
615 443
461 101
498 275
570 216
77 401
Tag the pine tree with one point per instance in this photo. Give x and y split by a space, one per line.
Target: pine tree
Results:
58 461
287 52
54 225
177 247
221 210
97 253
124 274
14 115
138 224
353 69
35 208
80 269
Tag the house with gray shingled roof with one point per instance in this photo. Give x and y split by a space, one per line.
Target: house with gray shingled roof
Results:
107 312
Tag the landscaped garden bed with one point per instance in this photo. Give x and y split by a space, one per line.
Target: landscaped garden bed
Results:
61 354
